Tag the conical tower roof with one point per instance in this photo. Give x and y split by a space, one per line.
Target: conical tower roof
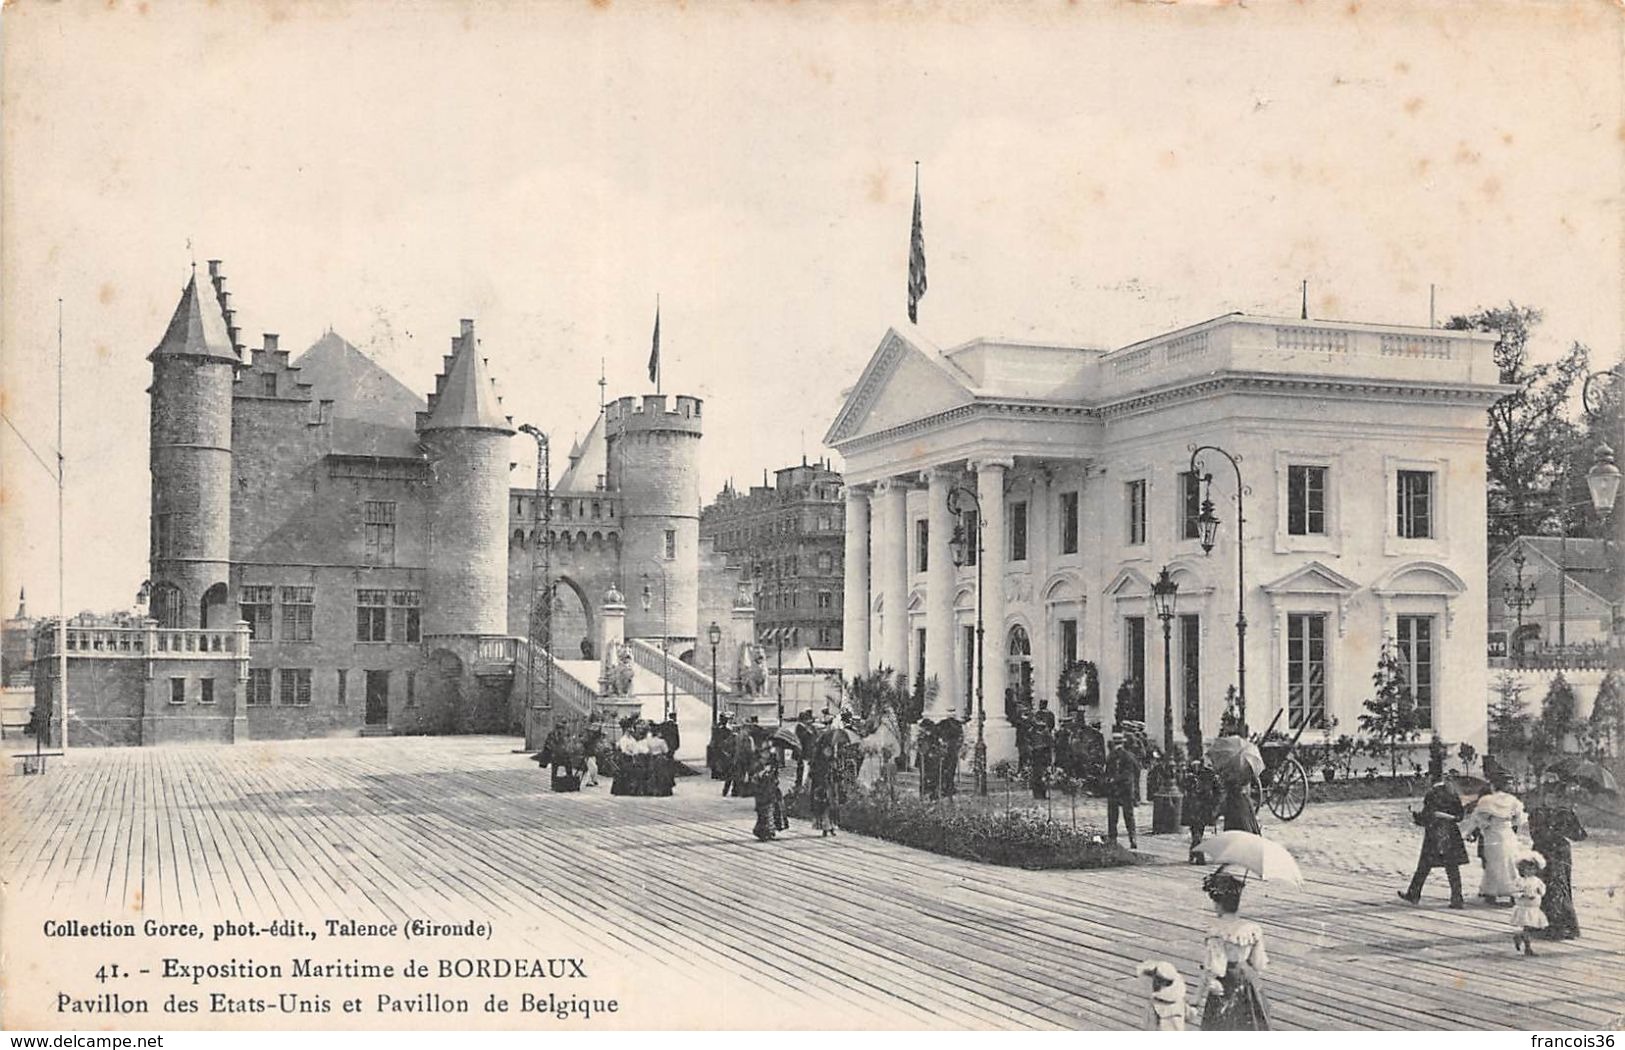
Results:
198 328
466 399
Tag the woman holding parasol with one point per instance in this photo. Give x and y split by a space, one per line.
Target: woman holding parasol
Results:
1234 955
1238 762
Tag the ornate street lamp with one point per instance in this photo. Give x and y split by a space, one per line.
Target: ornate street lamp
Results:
1165 595
1207 524
961 501
714 635
1518 597
646 599
1603 480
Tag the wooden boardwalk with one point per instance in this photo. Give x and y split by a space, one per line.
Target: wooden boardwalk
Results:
695 924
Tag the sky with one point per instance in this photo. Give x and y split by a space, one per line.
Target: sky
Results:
1091 172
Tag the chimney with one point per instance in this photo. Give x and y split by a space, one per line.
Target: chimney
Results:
214 268
270 340
468 327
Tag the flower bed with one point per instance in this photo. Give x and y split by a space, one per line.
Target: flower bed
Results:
1016 838
1356 789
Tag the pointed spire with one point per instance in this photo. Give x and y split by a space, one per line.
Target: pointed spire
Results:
22 603
197 329
466 398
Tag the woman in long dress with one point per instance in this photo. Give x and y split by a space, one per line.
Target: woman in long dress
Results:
660 770
1552 829
1233 958
626 750
822 778
1236 809
1496 820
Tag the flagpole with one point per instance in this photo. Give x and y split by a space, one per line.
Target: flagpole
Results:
61 573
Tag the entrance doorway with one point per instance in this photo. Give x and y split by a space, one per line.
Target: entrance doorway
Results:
1019 668
377 698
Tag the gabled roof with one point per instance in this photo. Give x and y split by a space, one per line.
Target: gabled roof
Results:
374 414
197 329
467 398
918 378
591 461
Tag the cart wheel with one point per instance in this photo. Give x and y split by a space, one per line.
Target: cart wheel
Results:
1290 791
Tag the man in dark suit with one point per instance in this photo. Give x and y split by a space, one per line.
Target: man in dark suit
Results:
1442 846
1122 783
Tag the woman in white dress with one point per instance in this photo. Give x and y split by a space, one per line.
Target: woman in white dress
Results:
1496 820
1233 958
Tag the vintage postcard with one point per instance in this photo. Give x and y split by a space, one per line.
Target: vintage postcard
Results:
874 515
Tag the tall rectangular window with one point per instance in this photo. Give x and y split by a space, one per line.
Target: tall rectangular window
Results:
344 686
1416 653
177 690
671 544
919 658
1306 669
206 691
259 686
1134 498
371 615
968 634
1069 643
1305 501
294 688
922 545
378 524
1018 531
298 613
411 688
254 605
1190 505
405 616
1134 657
1416 504
1190 665
1069 523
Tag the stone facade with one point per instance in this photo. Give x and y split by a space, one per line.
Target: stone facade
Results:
363 548
789 537
1361 452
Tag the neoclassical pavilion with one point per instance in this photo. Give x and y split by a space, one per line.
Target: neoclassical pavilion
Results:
1361 453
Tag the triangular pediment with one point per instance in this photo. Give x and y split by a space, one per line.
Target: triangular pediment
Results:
903 381
1129 583
1313 578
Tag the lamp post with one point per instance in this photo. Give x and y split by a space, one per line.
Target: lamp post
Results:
1603 478
713 634
541 523
1518 597
779 634
1165 595
960 546
646 599
1208 526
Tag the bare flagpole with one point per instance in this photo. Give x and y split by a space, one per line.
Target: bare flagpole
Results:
61 573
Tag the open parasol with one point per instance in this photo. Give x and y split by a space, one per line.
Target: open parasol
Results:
1583 771
840 736
1469 787
1255 854
785 736
1233 756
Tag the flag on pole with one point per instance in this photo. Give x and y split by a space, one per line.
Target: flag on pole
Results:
654 352
916 255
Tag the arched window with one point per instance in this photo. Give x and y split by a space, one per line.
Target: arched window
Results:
1020 666
166 605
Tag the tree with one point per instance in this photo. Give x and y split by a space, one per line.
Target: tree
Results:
1508 721
1606 726
1391 712
1130 702
1530 438
1557 713
882 699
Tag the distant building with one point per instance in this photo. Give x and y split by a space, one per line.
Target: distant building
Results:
333 554
17 647
789 539
1573 589
1361 447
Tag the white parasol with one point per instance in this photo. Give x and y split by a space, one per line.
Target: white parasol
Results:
1257 855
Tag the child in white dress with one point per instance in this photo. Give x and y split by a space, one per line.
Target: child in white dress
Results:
1527 915
1165 1009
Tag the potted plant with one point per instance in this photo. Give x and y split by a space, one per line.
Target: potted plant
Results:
1328 748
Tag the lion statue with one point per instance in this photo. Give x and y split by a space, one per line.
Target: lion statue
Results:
617 672
752 669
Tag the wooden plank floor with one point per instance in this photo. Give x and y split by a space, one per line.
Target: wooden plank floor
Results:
698 925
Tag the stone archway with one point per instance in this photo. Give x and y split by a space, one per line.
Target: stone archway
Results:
573 619
212 610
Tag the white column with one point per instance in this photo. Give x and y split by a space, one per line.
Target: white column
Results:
891 551
1000 734
855 593
939 595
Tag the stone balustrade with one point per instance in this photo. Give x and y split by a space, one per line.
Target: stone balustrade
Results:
148 642
689 679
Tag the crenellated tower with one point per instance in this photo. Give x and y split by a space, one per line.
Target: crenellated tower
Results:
653 461
193 369
465 437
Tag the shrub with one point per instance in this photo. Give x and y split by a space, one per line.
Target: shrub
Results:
1508 721
1015 838
1606 726
1391 711
1130 702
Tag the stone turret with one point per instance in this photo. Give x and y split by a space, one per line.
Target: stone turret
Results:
653 445
193 368
465 437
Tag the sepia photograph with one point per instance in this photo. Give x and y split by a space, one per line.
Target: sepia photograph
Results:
871 516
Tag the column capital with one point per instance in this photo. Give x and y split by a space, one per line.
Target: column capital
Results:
982 463
860 492
945 472
894 484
